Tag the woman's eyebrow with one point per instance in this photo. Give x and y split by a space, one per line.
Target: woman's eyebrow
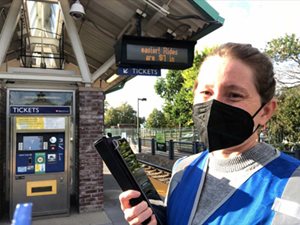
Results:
235 87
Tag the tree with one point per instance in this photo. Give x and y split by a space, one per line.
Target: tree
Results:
156 119
123 114
168 88
177 91
285 51
106 105
285 124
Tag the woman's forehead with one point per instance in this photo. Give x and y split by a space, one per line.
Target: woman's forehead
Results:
216 69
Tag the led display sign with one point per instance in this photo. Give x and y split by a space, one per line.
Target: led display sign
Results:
133 51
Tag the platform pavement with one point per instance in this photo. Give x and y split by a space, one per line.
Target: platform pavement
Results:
111 215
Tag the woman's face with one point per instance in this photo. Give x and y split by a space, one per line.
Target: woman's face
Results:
231 81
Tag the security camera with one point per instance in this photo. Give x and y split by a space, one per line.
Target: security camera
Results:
77 10
77 15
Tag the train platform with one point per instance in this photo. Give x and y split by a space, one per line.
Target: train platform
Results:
111 215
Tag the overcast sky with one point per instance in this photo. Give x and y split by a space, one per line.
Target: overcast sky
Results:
255 22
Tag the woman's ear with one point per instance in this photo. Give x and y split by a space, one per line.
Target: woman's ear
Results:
268 111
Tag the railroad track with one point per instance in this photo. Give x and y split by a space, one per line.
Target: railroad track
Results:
156 172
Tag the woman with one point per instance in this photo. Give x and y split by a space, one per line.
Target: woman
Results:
237 180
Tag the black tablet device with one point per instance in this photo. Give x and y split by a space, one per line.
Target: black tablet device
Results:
127 170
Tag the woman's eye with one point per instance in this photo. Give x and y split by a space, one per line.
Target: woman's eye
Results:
206 93
235 95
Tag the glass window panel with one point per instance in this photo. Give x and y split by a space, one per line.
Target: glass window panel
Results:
41 98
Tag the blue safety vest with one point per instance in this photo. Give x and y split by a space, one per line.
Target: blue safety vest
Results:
250 204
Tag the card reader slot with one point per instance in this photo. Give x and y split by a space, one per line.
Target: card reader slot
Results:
41 189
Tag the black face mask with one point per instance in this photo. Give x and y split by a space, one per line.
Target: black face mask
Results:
222 126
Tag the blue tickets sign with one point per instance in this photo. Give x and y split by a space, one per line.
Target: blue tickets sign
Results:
138 71
40 110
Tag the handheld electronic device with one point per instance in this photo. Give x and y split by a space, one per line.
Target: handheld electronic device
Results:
127 170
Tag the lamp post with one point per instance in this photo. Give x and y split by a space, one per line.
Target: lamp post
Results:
138 122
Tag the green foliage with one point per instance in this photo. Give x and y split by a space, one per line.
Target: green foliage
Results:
156 119
123 114
286 53
169 86
285 124
127 154
177 91
284 48
106 105
160 137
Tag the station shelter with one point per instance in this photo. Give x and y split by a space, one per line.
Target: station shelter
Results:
57 63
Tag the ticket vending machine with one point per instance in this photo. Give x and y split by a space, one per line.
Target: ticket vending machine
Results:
40 157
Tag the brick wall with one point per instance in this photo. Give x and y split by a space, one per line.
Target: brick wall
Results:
2 145
90 166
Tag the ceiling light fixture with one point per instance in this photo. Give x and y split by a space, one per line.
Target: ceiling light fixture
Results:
112 78
77 10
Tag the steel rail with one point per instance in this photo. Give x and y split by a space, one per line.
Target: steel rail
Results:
154 165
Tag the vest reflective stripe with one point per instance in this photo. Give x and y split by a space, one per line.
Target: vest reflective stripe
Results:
180 203
250 204
290 193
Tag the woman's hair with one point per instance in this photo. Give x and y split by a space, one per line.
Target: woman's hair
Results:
259 63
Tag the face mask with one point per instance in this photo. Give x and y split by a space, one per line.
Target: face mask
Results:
222 126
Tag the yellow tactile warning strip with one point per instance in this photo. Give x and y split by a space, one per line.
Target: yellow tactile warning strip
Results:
160 187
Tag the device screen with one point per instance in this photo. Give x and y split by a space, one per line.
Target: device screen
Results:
137 170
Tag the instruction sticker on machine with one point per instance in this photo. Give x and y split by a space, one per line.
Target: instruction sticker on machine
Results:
29 122
39 122
40 164
54 122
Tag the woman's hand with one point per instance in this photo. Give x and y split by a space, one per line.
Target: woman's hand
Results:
137 214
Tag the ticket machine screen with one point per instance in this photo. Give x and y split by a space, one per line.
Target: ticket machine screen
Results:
32 143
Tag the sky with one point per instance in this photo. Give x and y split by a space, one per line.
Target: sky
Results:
254 21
